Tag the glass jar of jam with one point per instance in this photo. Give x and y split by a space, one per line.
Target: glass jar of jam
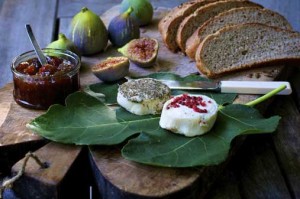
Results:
37 86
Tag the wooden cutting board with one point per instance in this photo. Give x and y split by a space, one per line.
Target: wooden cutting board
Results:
115 176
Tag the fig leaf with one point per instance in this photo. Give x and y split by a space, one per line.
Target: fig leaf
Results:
87 121
162 148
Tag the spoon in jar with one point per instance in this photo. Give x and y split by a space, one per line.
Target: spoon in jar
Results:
37 49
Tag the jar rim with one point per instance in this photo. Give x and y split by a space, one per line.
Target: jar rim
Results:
48 50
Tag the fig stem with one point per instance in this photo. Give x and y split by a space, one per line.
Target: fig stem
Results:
84 9
266 96
262 98
62 36
128 11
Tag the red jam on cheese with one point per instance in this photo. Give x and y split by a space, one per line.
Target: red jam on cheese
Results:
193 102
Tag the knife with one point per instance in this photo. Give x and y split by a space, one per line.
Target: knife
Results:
240 87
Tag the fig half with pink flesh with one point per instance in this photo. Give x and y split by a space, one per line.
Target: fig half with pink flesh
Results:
112 69
143 51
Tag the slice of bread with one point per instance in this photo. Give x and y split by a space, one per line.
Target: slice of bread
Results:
233 17
245 46
169 24
190 24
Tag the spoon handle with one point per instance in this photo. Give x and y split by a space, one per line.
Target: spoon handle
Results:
36 46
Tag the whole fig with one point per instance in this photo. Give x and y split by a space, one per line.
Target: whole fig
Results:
64 43
142 10
143 51
123 28
88 32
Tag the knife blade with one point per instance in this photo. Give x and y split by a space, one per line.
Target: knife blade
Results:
240 87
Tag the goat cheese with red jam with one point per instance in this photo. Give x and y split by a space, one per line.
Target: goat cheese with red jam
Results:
189 115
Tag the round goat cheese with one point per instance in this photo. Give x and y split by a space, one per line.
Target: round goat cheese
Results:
189 115
143 96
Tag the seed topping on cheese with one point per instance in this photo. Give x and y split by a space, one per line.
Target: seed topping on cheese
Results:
143 89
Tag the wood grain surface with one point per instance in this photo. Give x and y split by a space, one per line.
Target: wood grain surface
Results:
265 167
120 178
46 182
15 14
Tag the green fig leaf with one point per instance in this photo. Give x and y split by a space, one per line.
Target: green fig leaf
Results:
85 120
108 90
162 148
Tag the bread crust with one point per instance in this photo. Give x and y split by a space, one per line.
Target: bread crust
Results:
201 65
206 12
193 42
172 20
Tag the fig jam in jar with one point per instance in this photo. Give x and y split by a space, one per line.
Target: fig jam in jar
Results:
37 86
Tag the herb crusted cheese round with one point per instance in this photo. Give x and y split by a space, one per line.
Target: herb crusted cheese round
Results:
143 96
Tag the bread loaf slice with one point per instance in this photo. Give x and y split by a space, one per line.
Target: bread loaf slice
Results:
190 24
169 24
245 46
233 17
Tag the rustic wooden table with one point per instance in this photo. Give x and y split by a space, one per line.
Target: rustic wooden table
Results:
265 167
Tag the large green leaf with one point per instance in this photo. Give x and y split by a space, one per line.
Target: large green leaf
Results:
85 120
109 90
163 148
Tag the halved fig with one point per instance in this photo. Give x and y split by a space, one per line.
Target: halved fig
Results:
111 69
143 51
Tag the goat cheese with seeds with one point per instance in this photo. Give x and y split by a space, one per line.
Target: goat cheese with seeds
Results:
143 96
189 115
